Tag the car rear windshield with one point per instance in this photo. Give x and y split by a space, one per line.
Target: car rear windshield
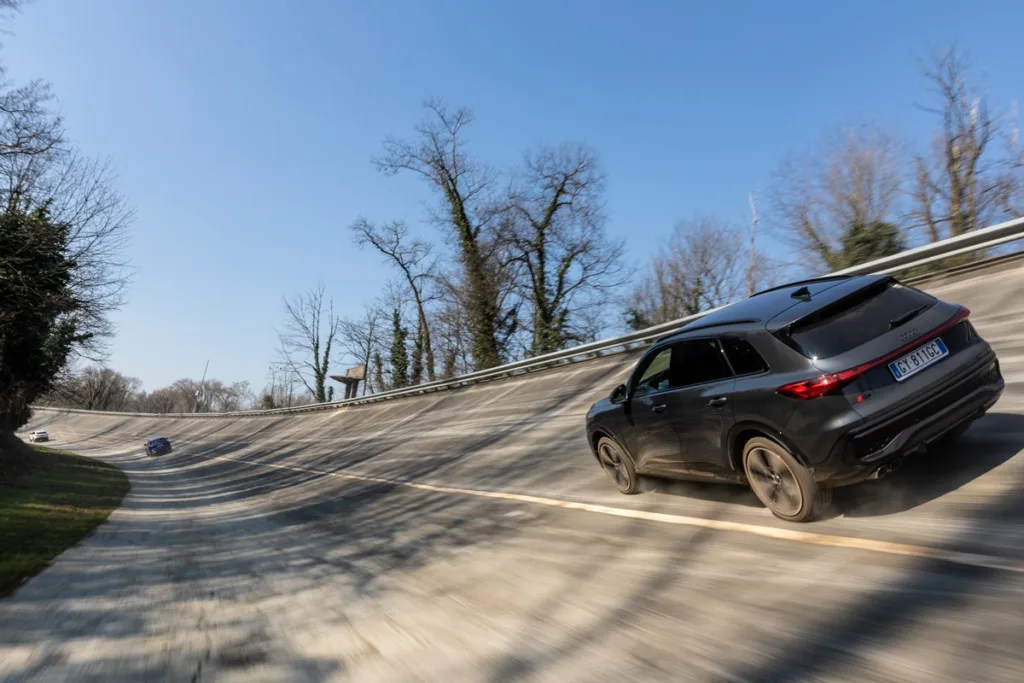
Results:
856 319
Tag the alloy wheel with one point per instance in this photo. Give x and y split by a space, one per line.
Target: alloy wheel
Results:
773 482
611 461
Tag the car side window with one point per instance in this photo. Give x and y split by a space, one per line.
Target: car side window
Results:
698 361
655 377
743 356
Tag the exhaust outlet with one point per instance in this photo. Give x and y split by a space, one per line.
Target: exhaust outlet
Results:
887 469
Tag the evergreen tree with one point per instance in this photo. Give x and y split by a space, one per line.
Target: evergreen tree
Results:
867 242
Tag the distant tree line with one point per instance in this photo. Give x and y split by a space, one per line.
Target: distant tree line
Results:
101 388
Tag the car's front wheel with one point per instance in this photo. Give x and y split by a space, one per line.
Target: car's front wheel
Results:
617 464
786 487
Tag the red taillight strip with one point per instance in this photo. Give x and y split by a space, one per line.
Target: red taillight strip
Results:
830 382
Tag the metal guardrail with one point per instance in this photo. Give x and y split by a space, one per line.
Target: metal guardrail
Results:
985 238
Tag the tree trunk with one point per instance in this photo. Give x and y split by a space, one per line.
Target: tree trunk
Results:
483 307
14 456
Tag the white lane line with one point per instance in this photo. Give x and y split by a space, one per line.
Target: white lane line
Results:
849 542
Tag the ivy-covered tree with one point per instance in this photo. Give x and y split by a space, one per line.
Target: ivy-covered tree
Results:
39 318
62 229
399 352
467 212
378 372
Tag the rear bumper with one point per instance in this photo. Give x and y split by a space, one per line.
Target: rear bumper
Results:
873 447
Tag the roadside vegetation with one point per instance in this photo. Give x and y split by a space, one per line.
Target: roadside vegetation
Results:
63 227
47 505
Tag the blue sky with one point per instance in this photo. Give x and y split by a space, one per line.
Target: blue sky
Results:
242 131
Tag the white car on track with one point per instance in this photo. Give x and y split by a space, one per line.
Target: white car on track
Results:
38 435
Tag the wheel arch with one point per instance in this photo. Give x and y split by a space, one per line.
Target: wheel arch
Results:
596 435
742 432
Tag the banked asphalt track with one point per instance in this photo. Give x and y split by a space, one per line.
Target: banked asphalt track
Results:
468 535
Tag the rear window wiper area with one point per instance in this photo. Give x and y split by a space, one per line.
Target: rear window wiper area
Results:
907 317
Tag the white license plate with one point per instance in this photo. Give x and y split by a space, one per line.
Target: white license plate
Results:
918 359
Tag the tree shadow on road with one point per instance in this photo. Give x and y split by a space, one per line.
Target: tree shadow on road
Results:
843 642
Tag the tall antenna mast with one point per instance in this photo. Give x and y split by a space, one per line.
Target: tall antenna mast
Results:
753 253
201 391
1015 132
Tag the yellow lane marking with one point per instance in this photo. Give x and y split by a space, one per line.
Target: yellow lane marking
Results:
784 534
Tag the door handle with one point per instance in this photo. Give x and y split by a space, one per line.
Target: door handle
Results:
718 401
659 408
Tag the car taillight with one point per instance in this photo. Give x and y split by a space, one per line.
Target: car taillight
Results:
829 383
819 386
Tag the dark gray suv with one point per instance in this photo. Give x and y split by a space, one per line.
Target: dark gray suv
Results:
797 390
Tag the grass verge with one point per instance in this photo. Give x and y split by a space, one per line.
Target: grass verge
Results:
48 507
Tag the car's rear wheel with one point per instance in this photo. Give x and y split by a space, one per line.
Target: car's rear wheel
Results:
617 464
786 487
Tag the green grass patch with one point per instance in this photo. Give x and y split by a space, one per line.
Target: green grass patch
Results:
49 506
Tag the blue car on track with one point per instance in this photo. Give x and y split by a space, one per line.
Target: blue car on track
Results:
158 445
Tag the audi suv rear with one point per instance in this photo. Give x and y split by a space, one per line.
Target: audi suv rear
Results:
797 390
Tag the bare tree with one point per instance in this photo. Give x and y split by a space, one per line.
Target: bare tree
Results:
96 388
850 180
106 389
965 181
225 398
285 389
413 258
41 171
1014 202
360 338
698 269
450 324
468 214
557 235
180 397
163 401
310 330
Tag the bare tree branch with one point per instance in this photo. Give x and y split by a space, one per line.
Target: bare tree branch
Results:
698 269
306 340
852 178
556 232
413 258
963 183
468 216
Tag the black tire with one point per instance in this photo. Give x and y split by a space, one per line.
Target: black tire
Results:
786 487
618 465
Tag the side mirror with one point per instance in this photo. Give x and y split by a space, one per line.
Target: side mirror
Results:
618 394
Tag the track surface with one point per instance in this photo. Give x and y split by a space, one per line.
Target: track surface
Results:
294 548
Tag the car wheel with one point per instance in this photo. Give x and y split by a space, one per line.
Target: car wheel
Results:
786 487
617 464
